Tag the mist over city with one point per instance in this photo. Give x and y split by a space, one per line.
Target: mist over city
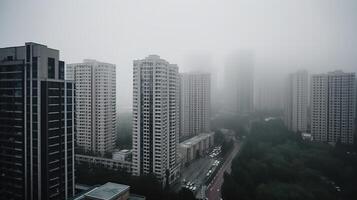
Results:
196 35
200 99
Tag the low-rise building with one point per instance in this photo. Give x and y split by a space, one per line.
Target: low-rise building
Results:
194 147
109 163
122 155
108 191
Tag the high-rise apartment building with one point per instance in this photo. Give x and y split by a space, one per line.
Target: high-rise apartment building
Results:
155 118
333 112
239 83
296 101
95 105
36 124
195 103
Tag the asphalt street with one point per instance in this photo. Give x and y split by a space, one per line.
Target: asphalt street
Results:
197 171
214 188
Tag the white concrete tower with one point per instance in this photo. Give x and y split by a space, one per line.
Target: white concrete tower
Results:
195 92
333 101
95 104
319 107
155 118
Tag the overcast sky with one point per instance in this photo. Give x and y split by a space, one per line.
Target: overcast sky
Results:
285 35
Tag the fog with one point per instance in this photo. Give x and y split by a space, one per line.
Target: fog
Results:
284 35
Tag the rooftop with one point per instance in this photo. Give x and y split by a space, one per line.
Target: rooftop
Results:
124 151
107 191
196 139
136 197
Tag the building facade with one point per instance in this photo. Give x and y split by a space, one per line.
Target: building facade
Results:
155 118
195 103
333 112
108 163
296 101
239 83
195 147
37 124
95 105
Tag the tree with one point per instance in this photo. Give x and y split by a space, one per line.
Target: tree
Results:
186 194
275 163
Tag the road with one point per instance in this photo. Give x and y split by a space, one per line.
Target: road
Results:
195 173
214 188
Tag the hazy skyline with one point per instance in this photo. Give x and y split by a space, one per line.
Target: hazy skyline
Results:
317 35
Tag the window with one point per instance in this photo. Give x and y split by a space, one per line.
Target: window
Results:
61 70
28 52
34 67
51 68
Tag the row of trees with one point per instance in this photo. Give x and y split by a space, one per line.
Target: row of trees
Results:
275 163
219 139
233 122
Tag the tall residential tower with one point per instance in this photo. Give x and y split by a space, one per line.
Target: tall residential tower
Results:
36 124
333 112
296 102
195 95
95 105
155 118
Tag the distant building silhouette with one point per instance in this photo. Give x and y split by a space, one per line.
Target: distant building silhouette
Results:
268 93
239 82
296 101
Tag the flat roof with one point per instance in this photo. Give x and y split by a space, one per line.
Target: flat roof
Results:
196 139
136 197
107 191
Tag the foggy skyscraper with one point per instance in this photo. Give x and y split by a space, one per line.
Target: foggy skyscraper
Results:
333 101
195 103
155 118
95 105
296 101
36 129
268 92
138 119
239 82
